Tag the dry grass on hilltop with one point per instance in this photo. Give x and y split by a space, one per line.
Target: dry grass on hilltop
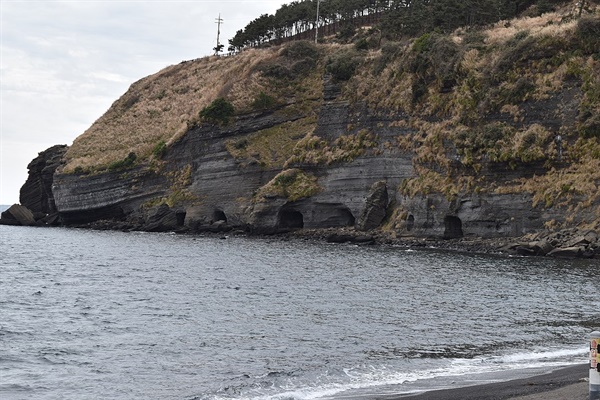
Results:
557 23
160 107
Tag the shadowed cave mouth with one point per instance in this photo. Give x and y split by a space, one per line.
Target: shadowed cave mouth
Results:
291 219
410 222
219 215
180 215
346 217
453 227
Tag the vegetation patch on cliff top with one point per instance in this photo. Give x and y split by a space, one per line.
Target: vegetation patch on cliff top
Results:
312 150
292 184
270 148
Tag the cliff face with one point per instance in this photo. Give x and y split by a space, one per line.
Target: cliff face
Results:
441 138
36 194
220 190
115 195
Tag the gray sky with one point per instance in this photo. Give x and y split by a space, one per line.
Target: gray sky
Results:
63 63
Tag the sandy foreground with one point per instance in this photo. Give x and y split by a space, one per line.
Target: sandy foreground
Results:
568 383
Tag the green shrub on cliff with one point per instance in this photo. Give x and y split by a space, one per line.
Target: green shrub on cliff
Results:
125 163
218 112
588 33
271 147
343 64
263 101
160 149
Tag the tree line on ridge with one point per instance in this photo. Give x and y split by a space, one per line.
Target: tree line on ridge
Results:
398 18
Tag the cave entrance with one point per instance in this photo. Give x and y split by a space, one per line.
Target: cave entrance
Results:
346 217
410 223
180 215
453 227
291 219
219 215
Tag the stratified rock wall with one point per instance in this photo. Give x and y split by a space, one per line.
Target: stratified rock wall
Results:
221 189
111 195
36 194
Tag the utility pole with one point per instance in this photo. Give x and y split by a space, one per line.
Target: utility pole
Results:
219 46
581 7
317 23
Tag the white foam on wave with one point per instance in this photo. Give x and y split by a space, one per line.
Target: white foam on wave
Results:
457 372
541 355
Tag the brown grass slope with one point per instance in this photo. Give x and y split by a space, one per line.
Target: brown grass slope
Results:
162 107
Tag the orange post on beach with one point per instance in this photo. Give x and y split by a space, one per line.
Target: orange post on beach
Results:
595 366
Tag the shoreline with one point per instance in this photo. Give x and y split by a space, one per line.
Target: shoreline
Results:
566 383
491 246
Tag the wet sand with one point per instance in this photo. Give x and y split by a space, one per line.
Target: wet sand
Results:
562 384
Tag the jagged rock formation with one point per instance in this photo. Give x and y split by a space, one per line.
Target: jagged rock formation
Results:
37 198
375 207
164 219
36 194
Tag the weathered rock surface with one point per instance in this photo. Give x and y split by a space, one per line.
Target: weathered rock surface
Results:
375 207
36 194
84 199
164 219
567 243
17 215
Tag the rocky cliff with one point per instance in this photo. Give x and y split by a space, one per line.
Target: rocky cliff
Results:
445 136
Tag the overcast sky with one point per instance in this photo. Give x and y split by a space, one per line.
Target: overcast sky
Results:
63 63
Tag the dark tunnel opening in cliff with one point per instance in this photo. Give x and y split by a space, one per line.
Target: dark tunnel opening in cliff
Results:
410 222
453 227
219 215
290 219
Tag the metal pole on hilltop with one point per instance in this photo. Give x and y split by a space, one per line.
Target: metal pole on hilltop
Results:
218 48
595 365
317 23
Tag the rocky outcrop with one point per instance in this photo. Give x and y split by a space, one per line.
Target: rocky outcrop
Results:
17 215
219 188
36 194
375 207
567 243
164 219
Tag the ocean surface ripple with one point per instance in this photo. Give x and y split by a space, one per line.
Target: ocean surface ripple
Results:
111 315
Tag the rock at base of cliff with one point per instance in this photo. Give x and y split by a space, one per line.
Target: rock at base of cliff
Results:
164 219
536 248
17 215
571 252
375 208
349 237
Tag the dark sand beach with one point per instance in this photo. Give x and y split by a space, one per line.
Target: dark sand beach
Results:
568 383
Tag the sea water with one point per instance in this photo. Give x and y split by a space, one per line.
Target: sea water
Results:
88 314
